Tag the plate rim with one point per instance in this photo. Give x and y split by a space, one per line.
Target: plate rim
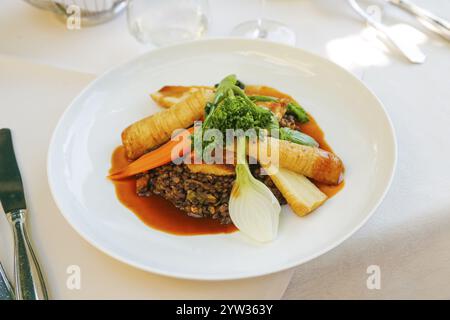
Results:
218 277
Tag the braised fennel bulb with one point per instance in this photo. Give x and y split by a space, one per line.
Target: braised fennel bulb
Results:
300 193
253 208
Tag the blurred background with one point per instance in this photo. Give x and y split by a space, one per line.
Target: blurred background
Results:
328 27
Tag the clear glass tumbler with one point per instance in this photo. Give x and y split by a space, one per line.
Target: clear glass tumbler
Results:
164 22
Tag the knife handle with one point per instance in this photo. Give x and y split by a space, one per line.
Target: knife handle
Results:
30 283
6 291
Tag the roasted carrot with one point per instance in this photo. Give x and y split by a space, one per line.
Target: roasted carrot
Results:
157 157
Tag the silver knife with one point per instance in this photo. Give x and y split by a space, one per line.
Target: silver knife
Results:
28 277
6 291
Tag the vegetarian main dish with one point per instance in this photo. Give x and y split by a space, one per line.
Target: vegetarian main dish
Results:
223 158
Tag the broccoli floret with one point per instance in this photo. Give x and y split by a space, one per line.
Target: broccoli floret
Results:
233 109
238 113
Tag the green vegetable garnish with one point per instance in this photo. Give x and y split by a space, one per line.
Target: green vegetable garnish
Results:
297 137
232 109
208 108
288 134
237 113
263 99
238 83
293 107
299 113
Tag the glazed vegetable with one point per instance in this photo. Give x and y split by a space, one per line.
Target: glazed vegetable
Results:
292 107
277 106
297 137
258 90
156 158
238 83
290 135
212 169
154 130
263 99
232 109
312 162
253 208
295 109
300 193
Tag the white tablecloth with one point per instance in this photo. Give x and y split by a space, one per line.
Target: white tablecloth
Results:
43 66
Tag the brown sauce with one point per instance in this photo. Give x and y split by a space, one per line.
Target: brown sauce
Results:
161 214
157 212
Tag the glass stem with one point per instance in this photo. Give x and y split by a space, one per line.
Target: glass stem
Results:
261 32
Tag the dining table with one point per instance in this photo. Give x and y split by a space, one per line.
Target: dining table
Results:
44 66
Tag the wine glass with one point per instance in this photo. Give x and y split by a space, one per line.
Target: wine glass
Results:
263 28
164 22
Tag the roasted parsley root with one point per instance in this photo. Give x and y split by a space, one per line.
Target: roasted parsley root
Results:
156 129
214 169
168 96
312 162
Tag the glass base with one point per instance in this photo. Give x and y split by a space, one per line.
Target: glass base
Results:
265 29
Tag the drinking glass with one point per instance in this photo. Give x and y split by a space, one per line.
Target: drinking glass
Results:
263 28
164 22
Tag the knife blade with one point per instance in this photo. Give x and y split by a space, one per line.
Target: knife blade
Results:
11 188
28 277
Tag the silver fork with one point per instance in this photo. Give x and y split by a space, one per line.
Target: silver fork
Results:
411 51
429 20
6 290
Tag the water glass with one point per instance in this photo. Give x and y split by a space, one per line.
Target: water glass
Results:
164 22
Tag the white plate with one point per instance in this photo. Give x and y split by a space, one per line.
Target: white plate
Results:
354 121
